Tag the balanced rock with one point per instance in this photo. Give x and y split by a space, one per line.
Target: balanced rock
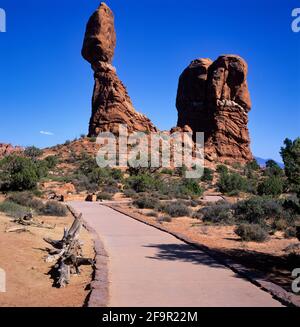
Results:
111 104
213 98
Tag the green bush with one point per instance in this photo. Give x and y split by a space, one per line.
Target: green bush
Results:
253 165
258 210
18 173
191 187
51 161
219 213
232 183
177 209
142 183
146 202
130 193
222 169
251 233
33 152
166 171
208 175
271 186
104 196
27 199
13 209
53 208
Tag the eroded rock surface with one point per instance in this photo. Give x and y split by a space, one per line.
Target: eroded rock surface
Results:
111 104
213 98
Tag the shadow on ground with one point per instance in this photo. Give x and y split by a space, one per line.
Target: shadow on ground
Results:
277 269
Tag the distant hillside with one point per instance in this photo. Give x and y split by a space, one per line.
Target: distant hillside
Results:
262 162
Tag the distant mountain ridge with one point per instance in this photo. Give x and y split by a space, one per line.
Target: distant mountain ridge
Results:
262 162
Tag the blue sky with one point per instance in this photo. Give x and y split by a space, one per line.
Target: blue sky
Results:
45 85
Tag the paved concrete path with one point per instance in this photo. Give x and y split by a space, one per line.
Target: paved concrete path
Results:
148 267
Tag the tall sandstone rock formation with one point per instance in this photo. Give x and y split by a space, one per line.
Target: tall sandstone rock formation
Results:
213 98
111 104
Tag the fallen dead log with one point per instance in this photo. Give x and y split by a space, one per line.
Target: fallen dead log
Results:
28 220
67 254
16 230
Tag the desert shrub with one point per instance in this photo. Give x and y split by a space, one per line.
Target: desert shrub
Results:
82 136
292 203
83 183
236 165
191 187
232 183
51 161
271 186
218 213
251 232
18 173
252 165
258 210
13 209
67 142
146 202
177 209
130 193
111 189
222 169
117 174
53 208
208 175
143 183
33 152
167 171
273 169
26 199
105 196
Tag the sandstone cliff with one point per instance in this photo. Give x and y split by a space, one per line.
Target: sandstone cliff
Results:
213 98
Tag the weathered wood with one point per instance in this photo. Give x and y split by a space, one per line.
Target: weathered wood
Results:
67 253
64 274
16 229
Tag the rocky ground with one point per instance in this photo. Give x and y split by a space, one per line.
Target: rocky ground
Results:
28 280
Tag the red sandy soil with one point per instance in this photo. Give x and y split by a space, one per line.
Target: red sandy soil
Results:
22 257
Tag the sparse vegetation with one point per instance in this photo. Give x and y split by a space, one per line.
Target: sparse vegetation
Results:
219 213
176 209
208 175
251 233
271 186
53 208
146 202
104 196
33 152
232 183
